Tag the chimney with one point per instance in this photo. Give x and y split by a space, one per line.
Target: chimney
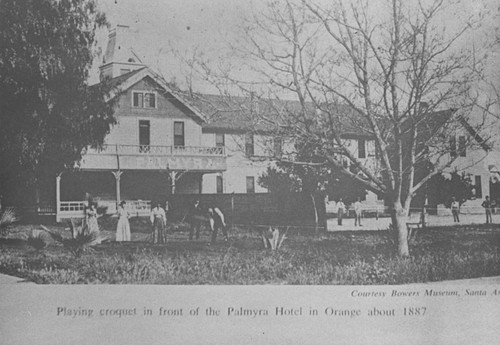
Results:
119 58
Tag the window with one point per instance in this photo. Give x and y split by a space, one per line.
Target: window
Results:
149 100
138 100
361 148
371 148
278 147
178 133
453 147
250 184
219 140
143 99
220 185
144 136
462 150
249 147
478 187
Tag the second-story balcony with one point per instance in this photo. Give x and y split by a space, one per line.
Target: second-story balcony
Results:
150 157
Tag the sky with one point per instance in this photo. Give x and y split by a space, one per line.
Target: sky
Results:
160 26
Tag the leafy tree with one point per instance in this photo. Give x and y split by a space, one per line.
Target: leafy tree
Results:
279 181
48 113
442 188
288 178
314 178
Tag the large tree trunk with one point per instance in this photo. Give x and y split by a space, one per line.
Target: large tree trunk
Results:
399 218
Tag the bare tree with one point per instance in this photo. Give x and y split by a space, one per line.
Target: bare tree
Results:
389 69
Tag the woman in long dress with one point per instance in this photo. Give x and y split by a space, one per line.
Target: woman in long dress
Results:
123 227
92 225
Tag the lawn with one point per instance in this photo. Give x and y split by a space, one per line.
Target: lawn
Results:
352 258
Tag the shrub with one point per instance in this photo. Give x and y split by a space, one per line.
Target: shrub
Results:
357 259
81 240
7 218
273 239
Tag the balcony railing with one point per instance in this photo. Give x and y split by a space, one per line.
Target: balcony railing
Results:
155 150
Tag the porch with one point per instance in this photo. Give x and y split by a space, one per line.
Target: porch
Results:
149 157
134 173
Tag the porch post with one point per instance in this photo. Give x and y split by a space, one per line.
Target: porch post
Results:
173 176
58 197
200 184
117 175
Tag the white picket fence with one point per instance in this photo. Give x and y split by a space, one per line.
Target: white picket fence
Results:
76 209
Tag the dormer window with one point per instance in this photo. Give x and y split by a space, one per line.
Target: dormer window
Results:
144 99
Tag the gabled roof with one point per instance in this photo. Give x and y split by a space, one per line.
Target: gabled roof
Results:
127 80
236 114
115 82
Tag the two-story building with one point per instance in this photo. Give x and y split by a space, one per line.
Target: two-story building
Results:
166 141
155 149
163 143
253 142
475 157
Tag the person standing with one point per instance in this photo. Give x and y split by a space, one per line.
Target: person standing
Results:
358 210
455 209
487 207
216 220
340 211
195 218
123 226
159 221
92 225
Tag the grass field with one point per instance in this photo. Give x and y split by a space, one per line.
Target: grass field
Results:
352 258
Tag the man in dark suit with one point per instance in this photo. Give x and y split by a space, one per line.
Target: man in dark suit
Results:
195 218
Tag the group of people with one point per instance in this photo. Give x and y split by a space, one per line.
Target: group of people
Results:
358 211
455 210
196 216
487 205
122 227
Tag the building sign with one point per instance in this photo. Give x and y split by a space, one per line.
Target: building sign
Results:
179 163
148 162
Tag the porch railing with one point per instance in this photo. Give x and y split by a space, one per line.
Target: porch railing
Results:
76 209
160 150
